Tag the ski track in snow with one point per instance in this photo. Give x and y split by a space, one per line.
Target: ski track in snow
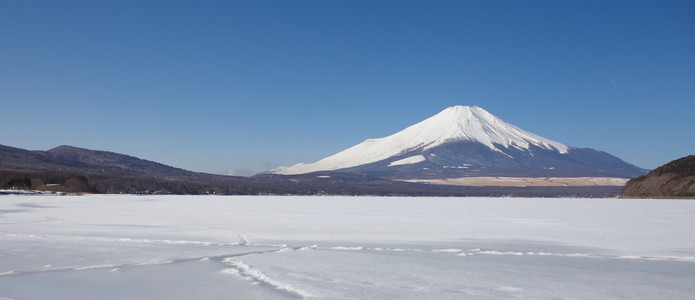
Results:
285 248
244 271
218 258
478 251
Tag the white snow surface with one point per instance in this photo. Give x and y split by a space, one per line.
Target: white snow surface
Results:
408 160
263 247
457 123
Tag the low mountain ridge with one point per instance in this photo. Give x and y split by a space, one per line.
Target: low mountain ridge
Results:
86 161
75 170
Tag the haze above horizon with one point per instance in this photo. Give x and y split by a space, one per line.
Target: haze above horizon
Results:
238 87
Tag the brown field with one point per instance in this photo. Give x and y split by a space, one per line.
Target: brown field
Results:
526 181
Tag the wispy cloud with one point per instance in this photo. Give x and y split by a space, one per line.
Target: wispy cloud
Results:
240 172
231 171
609 79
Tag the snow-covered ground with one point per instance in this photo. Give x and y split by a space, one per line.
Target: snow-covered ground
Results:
200 247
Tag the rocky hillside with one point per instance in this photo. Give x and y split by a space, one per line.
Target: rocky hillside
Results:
672 180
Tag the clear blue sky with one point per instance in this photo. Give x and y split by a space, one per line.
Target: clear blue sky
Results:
214 85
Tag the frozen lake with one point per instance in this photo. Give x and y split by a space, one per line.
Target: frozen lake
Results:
215 247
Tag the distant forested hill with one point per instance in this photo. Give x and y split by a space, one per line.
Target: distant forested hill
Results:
76 170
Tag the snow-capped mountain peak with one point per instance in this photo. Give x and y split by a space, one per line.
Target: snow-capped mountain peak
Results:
454 124
472 123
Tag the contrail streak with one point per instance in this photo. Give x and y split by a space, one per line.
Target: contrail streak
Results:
609 79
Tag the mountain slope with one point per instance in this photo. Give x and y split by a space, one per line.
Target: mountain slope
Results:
467 141
85 161
674 179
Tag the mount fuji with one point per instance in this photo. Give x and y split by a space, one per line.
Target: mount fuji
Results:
467 141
